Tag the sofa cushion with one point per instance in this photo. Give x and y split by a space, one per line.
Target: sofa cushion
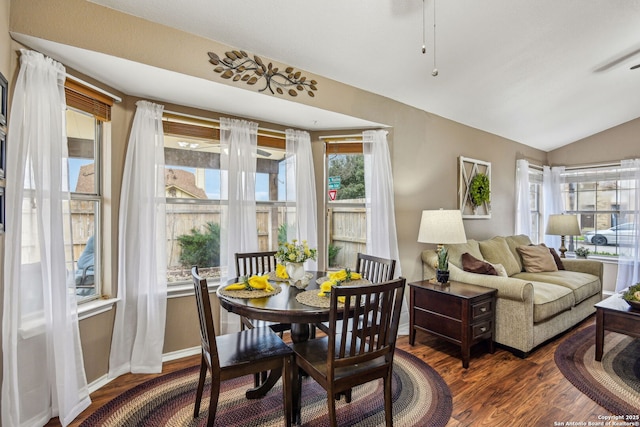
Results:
549 300
456 251
556 258
514 242
537 259
496 251
475 265
583 285
500 270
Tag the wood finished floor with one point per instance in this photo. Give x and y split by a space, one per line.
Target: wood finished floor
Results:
498 389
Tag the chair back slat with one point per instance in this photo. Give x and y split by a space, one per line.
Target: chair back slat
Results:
251 263
207 329
374 268
370 318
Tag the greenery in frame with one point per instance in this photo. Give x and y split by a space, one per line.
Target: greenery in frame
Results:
480 189
201 248
350 169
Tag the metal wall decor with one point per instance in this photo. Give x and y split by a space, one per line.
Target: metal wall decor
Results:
237 65
474 188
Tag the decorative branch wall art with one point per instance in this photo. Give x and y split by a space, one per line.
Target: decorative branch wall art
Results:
474 188
237 65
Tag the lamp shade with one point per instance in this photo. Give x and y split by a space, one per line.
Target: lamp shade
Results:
442 226
563 225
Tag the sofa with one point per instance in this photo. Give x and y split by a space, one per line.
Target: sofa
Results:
537 299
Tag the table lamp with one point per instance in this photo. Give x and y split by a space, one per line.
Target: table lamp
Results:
441 227
563 225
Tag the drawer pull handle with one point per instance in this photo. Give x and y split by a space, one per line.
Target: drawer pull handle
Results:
483 329
483 309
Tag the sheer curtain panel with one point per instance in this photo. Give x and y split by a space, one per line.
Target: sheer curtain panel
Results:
523 205
551 199
138 334
629 259
238 160
301 187
43 370
382 240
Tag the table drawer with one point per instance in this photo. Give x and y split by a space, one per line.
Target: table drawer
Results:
481 308
448 305
438 324
482 328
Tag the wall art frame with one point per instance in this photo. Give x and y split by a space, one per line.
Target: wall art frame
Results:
474 188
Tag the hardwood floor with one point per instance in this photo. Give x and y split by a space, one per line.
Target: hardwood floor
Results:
498 389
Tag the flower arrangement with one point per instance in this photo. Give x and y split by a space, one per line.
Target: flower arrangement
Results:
582 252
479 189
295 252
632 293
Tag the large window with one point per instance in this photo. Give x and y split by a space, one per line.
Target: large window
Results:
195 199
602 199
346 214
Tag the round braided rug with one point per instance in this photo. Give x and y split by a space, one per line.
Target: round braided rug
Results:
613 383
420 396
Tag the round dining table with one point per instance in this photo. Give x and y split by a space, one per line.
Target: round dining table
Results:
282 307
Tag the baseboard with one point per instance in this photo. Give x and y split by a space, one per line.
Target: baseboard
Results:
166 357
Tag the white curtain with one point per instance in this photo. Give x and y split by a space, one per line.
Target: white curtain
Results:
629 256
523 208
43 370
382 239
138 335
301 189
552 202
238 159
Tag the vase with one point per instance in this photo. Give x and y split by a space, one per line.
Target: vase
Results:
442 276
295 270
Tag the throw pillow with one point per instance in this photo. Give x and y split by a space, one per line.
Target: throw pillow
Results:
474 265
496 251
500 270
537 259
556 257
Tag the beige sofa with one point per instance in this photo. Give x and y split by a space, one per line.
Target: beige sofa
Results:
531 307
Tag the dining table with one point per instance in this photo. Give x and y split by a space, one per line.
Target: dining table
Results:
281 307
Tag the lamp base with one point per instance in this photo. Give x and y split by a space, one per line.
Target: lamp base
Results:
562 248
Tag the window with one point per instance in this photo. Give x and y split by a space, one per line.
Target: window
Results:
195 198
86 115
535 197
346 225
602 199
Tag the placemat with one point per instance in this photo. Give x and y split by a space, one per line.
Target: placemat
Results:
358 282
311 298
274 277
256 293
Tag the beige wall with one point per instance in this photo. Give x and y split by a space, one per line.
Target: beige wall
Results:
424 147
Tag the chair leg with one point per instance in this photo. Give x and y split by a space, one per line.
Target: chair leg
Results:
213 400
297 394
331 403
287 390
201 379
388 407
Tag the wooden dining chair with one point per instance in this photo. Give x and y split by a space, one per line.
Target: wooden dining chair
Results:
374 268
238 354
358 349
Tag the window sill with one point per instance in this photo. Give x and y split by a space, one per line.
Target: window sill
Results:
95 307
186 290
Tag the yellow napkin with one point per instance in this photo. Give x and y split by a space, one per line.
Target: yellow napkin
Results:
325 290
344 275
254 282
281 271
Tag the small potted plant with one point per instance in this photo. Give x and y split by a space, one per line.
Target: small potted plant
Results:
442 271
582 252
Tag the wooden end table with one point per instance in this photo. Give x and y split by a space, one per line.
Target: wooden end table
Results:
614 314
461 313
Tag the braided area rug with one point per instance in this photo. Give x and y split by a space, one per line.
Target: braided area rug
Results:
613 383
420 398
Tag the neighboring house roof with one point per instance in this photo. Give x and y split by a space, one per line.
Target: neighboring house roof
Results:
178 179
86 180
184 181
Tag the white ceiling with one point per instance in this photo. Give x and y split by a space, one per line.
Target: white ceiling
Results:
541 72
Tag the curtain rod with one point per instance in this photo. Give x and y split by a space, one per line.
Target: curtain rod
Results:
341 136
207 119
97 89
593 166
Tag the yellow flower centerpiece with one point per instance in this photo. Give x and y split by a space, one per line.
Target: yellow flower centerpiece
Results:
291 256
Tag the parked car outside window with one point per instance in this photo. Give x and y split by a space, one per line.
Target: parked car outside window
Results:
622 234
